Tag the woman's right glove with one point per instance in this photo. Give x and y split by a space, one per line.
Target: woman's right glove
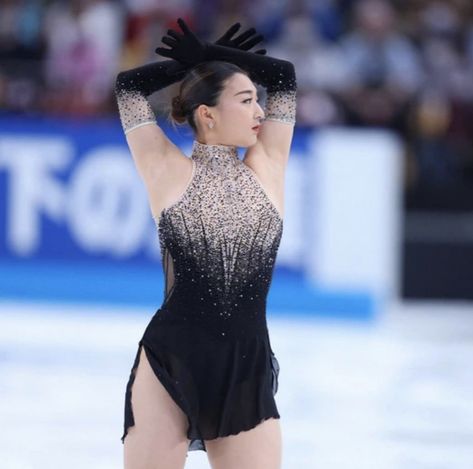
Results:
277 76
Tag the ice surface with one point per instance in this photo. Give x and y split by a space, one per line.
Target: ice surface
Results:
395 394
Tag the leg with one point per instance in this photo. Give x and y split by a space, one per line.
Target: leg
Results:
258 448
158 439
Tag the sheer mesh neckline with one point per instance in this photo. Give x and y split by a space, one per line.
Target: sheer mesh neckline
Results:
222 153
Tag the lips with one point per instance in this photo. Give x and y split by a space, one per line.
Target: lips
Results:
256 127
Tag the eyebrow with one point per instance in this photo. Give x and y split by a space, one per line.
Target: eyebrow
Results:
245 91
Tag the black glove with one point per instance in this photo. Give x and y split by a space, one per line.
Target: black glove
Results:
274 74
154 76
243 42
148 78
132 87
239 42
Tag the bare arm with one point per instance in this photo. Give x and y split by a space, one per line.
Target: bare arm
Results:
277 130
276 75
148 144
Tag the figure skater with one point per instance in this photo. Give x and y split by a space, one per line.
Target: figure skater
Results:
205 375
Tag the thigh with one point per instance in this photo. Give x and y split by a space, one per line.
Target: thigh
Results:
158 438
258 448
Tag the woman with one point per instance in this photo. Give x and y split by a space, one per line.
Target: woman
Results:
205 376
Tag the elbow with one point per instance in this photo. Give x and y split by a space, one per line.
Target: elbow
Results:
122 82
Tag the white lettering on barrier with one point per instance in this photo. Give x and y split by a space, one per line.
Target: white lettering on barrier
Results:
33 189
104 202
107 207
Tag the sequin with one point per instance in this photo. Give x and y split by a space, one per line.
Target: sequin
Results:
135 110
281 107
208 342
233 236
132 88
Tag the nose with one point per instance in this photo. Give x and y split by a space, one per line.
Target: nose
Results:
259 112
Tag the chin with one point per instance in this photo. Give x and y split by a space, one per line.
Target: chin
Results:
245 142
254 140
251 141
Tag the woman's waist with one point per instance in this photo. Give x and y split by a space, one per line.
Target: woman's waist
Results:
204 300
223 320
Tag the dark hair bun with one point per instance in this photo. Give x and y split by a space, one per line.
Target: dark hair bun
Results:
178 112
202 84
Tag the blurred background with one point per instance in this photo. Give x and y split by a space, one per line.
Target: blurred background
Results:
370 307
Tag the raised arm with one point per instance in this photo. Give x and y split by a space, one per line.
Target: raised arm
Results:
278 77
277 129
149 145
147 142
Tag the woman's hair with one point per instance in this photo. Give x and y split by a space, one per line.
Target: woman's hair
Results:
202 84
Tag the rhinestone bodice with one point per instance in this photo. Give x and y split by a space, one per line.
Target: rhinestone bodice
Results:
218 244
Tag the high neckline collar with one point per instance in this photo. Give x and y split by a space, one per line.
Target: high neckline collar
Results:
219 152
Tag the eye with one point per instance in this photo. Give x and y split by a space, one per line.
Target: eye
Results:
249 100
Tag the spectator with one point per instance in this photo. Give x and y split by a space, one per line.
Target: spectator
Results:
21 54
84 40
320 68
384 67
359 62
442 133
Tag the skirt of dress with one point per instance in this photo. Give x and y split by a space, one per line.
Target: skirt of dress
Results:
223 386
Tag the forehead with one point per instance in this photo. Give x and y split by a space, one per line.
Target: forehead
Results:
239 82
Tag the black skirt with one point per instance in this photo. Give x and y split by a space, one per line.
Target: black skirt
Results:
223 385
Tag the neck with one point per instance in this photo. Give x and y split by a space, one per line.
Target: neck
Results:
214 151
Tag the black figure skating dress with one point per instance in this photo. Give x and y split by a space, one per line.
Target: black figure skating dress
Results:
208 343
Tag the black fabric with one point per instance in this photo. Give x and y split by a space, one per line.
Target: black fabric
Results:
245 41
186 48
208 343
148 78
152 77
215 387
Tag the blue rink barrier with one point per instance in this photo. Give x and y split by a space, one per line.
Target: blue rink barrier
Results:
144 286
75 225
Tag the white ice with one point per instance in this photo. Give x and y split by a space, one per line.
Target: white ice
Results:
392 394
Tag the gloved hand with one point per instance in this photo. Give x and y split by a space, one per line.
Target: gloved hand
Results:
155 76
239 42
243 42
189 50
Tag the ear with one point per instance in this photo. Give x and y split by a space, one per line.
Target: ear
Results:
204 114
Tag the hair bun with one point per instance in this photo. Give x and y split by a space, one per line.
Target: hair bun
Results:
178 112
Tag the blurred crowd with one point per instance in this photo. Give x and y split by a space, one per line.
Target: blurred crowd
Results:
399 64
